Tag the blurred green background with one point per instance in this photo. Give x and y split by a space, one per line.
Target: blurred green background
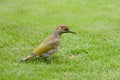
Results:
91 54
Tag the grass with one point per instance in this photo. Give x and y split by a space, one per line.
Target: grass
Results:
91 54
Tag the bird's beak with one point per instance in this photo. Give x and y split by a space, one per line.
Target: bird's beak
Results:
71 32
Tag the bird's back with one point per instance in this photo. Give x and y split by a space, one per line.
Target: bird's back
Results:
50 43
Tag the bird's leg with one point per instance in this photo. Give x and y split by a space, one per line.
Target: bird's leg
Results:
46 57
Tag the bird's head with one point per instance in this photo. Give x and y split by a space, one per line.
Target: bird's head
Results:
63 29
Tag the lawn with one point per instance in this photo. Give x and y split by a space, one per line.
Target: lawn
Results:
91 54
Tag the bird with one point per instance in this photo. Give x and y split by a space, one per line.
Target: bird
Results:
49 45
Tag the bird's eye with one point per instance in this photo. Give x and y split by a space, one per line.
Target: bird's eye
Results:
66 29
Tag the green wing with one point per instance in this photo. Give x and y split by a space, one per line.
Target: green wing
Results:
47 45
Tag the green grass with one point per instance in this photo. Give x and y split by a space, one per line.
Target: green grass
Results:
25 23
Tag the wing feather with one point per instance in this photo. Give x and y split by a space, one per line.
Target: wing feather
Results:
47 45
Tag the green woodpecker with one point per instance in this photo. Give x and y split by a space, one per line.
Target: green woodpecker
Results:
49 45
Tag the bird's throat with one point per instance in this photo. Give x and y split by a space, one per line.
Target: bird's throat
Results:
57 34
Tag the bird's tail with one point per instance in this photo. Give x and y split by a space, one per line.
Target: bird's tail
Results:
27 57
